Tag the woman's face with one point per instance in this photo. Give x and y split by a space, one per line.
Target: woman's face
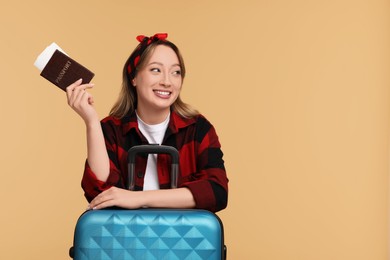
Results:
159 82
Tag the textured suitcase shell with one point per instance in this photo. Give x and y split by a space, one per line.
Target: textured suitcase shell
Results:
149 234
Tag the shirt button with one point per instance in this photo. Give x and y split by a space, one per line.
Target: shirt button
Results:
140 175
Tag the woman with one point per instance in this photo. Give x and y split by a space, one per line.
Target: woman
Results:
149 110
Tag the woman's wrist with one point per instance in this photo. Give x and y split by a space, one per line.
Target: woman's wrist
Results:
92 123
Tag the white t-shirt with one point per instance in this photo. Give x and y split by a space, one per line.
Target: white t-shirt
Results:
154 134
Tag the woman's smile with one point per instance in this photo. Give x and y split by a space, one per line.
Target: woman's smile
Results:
162 93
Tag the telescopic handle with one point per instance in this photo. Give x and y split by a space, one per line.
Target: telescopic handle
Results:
152 149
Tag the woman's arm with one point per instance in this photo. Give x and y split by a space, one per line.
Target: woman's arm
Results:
209 184
82 102
96 151
167 198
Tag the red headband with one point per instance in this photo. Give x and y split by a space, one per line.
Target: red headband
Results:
136 55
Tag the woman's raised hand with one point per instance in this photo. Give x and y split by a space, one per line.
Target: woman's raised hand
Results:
81 101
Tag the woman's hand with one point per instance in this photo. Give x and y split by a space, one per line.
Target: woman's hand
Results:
81 101
165 198
116 197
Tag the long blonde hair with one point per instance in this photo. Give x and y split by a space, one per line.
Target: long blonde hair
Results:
127 100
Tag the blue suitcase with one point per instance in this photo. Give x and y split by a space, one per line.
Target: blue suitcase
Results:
149 233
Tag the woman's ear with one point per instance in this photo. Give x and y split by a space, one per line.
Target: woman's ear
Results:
133 82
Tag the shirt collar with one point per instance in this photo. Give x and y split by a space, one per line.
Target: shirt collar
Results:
175 122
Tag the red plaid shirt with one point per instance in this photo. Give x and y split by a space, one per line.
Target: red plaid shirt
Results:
201 167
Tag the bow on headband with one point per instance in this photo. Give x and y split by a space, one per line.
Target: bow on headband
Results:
144 43
156 37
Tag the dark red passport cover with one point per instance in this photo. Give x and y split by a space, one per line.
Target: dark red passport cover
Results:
61 70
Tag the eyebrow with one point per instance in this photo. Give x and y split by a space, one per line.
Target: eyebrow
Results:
159 63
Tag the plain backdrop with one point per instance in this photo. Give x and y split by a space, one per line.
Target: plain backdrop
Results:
297 90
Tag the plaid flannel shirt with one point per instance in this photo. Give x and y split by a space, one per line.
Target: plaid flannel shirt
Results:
201 167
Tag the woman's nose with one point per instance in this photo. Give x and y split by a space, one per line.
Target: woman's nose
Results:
165 80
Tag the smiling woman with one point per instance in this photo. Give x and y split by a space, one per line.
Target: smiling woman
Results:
149 110
158 85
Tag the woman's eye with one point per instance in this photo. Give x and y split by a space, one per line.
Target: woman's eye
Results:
177 72
155 70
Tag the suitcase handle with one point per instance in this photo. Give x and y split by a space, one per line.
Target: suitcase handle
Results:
152 149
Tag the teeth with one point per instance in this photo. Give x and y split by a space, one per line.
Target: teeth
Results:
165 93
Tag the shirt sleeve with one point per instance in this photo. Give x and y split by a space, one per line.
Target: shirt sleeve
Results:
90 184
209 185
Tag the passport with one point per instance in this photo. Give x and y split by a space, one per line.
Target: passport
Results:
61 70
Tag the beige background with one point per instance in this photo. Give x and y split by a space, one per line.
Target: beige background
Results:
298 91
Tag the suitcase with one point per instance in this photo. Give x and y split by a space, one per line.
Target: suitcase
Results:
151 233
